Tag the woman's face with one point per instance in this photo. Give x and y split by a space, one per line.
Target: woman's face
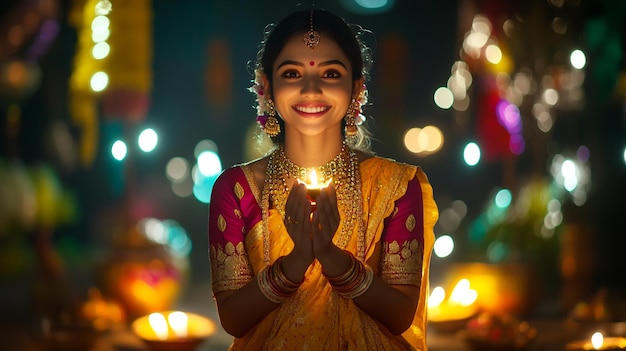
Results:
312 89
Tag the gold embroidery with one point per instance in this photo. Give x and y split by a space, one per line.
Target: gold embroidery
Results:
395 211
230 268
239 192
237 213
410 223
402 264
221 223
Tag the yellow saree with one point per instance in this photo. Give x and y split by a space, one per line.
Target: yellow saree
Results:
316 318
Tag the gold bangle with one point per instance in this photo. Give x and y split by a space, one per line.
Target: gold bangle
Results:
265 287
366 281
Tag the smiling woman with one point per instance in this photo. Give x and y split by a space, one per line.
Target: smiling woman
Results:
346 269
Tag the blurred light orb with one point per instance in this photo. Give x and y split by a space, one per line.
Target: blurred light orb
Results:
583 153
471 154
493 54
509 116
177 169
443 98
444 245
568 169
100 23
551 96
372 4
209 164
100 36
411 140
148 140
100 50
103 7
428 139
99 81
368 6
481 24
578 59
204 145
503 198
119 150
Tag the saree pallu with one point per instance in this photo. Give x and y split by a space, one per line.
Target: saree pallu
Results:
316 317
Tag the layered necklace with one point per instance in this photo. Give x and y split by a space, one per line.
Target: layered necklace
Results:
343 169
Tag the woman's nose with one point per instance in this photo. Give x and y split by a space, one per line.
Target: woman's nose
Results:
311 87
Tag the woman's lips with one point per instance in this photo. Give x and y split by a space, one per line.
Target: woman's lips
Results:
311 110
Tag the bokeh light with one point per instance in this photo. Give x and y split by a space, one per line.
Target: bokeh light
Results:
99 81
177 169
119 150
471 154
578 59
443 98
444 246
148 140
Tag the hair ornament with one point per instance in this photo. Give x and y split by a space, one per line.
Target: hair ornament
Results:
312 37
265 110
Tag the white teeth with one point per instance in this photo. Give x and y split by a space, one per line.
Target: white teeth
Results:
316 109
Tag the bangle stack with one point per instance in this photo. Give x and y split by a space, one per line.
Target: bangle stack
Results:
274 284
354 281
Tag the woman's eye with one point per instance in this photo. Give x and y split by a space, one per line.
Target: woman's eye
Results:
332 74
291 74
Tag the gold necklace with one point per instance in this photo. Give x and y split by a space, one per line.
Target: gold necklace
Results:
342 169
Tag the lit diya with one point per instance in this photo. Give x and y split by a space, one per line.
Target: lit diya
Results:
314 186
599 342
173 330
453 312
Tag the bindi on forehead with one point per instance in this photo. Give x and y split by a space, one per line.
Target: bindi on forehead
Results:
311 63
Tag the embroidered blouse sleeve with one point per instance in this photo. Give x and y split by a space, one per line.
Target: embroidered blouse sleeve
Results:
403 239
230 268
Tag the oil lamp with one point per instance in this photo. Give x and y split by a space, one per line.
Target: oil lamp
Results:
314 186
599 342
173 330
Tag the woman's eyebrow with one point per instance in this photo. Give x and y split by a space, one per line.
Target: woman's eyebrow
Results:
325 63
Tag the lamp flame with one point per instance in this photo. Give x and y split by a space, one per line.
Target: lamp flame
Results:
178 322
158 325
597 340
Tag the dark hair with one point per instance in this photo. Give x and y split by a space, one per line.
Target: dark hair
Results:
328 25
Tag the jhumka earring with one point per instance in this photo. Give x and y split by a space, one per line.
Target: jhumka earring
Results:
312 37
271 127
353 111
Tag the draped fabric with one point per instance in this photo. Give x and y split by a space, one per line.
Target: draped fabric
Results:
400 214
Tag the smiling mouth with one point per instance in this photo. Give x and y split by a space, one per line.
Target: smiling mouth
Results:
311 109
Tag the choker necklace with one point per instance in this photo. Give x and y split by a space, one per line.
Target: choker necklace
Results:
343 169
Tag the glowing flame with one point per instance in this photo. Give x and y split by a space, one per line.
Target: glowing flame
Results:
462 294
436 297
597 339
159 325
178 322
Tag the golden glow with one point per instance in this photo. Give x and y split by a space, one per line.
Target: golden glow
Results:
425 140
459 305
173 326
178 321
158 325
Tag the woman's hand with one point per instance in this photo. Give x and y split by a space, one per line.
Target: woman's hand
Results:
325 222
298 224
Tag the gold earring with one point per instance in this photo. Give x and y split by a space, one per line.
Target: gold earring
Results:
272 128
350 128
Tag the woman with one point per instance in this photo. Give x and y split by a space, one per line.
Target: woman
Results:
347 270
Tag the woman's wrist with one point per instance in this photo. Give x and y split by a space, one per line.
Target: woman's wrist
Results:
334 260
294 267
